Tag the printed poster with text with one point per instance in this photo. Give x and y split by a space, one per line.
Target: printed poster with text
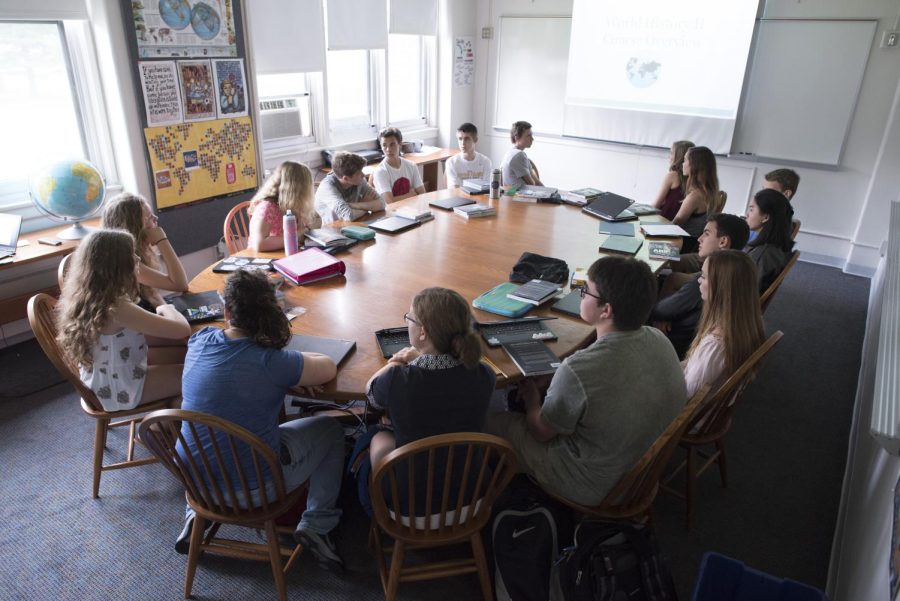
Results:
196 161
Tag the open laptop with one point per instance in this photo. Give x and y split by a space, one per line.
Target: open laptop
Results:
10 226
610 207
393 224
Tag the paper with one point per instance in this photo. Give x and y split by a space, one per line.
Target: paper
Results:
669 230
184 28
162 99
463 61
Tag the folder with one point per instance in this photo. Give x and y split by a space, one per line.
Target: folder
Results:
310 265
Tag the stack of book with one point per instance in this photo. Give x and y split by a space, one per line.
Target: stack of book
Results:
415 214
664 251
475 210
537 194
535 292
329 240
476 186
580 197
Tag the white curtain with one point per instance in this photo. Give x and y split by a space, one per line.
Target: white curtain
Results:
286 36
416 17
357 24
43 9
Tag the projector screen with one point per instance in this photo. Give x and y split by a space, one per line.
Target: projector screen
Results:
651 72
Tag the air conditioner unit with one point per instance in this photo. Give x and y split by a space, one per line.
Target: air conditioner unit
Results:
281 118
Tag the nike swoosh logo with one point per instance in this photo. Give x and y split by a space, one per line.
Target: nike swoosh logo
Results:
518 533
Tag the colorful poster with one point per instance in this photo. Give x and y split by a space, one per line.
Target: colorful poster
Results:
184 28
463 61
231 93
196 161
159 82
197 90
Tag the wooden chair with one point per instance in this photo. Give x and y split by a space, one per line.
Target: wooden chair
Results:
215 496
236 230
63 269
41 309
709 427
633 496
489 462
767 296
795 228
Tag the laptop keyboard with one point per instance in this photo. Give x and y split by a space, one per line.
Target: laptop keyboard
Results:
503 333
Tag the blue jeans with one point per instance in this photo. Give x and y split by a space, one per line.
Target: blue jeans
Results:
312 448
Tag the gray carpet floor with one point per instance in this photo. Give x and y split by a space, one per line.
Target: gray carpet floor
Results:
786 457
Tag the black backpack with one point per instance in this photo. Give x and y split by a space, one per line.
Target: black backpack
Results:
528 532
613 561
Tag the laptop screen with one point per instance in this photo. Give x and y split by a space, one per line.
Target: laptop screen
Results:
9 230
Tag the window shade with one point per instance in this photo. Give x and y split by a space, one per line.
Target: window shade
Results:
416 17
286 36
43 9
357 24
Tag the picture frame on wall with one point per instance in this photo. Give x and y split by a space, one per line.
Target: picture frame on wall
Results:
198 91
231 87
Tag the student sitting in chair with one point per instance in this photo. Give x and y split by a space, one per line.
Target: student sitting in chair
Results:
289 188
703 195
132 213
606 404
769 215
242 374
468 164
785 181
671 193
731 328
344 194
678 313
518 169
438 385
396 178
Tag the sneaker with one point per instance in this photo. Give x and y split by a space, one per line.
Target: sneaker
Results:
183 542
321 546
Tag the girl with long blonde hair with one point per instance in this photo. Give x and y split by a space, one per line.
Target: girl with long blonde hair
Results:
702 194
731 326
102 330
671 193
289 188
132 213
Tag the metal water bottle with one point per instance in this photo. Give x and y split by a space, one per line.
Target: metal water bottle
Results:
495 184
289 225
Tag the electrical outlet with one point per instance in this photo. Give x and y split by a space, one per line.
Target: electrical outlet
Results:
890 39
487 33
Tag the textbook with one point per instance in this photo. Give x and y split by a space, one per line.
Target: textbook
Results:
570 304
539 192
310 265
579 197
415 213
532 357
663 229
621 244
496 301
535 292
640 209
476 186
246 263
330 239
617 228
198 307
664 251
475 210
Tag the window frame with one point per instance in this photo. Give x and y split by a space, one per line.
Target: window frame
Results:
93 121
289 145
427 67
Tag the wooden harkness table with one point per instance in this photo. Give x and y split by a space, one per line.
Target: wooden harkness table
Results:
469 256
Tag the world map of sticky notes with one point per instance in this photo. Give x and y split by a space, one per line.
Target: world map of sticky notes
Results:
195 161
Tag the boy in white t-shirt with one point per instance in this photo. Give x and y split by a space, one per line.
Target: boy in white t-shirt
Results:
468 164
396 178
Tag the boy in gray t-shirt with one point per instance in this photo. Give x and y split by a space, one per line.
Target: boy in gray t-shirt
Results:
606 404
517 168
344 194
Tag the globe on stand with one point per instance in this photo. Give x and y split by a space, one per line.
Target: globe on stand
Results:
69 192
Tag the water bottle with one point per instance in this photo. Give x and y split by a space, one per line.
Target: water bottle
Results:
495 184
289 225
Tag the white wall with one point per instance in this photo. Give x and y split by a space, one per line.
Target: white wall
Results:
844 210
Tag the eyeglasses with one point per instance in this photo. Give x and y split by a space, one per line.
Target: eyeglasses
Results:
410 319
584 292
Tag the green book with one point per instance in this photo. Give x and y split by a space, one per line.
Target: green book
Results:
496 301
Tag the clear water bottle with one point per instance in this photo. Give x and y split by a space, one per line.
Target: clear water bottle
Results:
289 225
495 184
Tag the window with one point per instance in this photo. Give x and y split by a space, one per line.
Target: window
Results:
408 84
350 94
285 105
47 74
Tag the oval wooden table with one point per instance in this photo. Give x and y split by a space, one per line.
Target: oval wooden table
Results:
469 256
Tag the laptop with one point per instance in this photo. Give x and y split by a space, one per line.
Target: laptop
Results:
10 226
335 348
394 224
448 204
515 330
611 207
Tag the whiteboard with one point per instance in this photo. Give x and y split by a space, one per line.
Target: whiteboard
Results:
801 94
533 54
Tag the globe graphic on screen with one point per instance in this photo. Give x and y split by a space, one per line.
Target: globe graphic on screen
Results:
69 191
642 73
175 13
205 21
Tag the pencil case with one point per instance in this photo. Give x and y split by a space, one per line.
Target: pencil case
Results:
358 232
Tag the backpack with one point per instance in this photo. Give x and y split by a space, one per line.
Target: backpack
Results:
613 561
528 532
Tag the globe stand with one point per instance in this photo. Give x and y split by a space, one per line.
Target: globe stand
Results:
76 232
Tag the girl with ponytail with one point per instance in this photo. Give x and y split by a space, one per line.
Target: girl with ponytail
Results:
438 385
